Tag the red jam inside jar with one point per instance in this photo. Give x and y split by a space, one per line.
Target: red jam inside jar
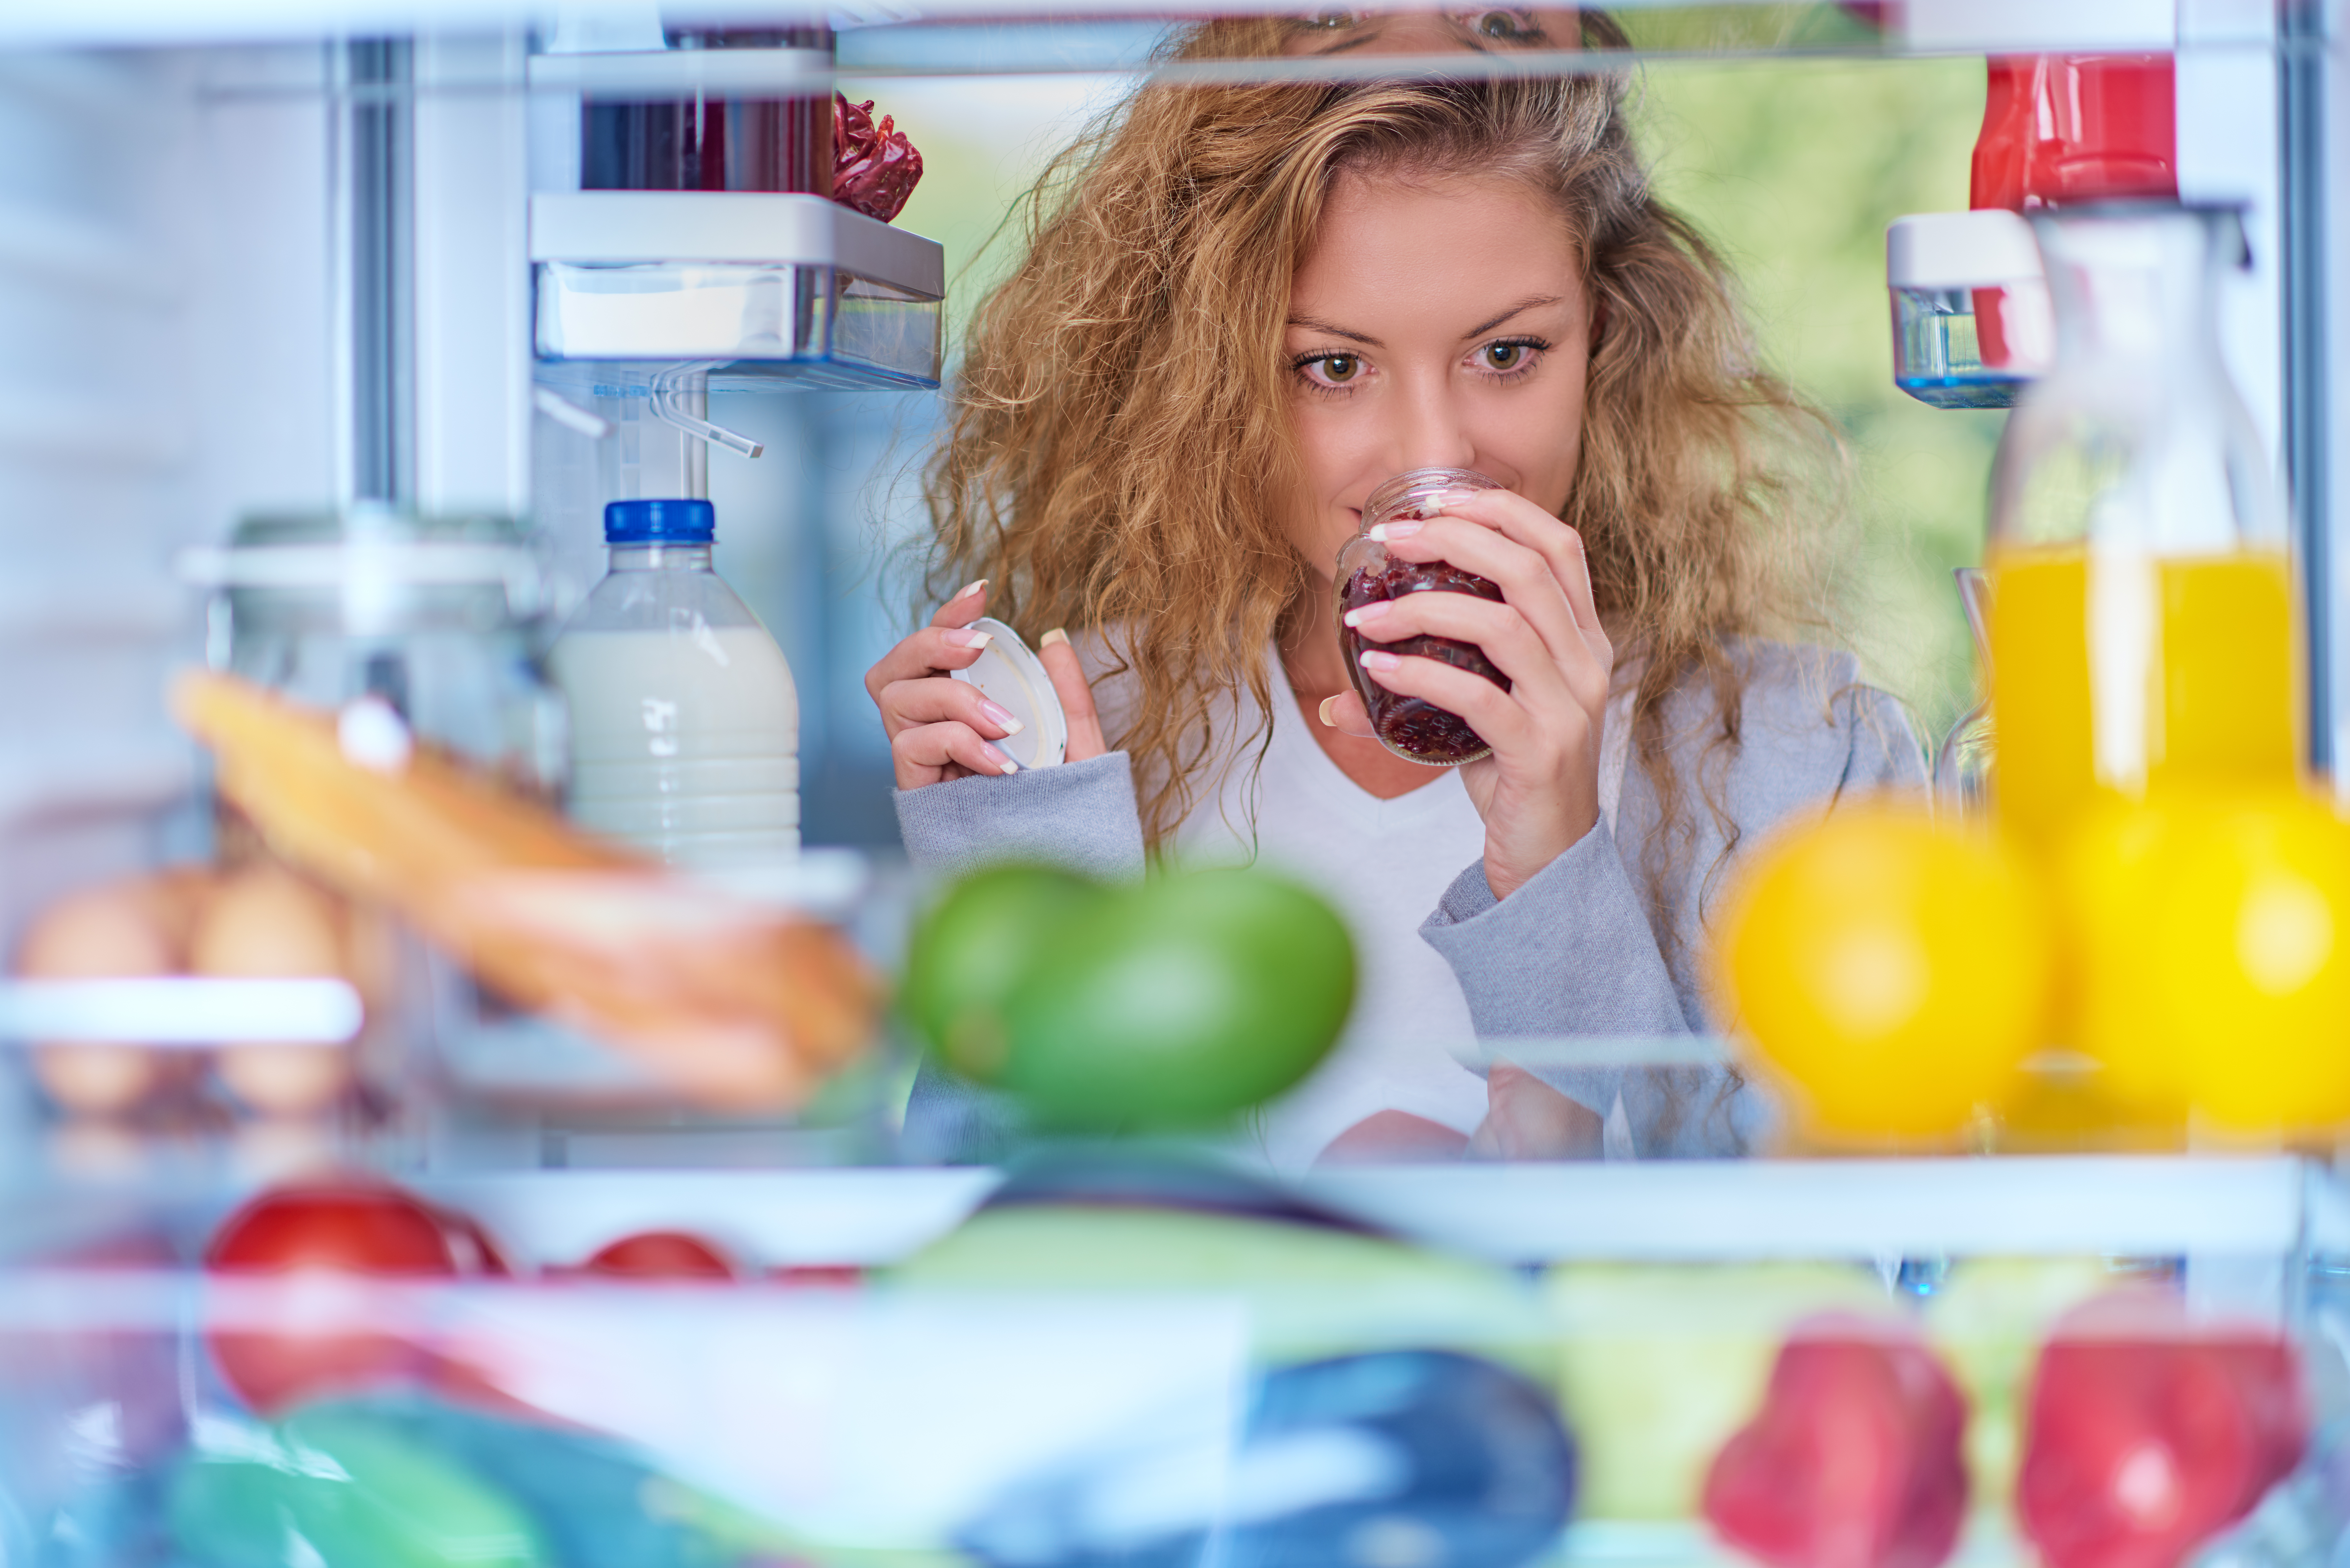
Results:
1412 727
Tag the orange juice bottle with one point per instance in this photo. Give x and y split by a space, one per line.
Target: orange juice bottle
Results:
2206 669
2142 639
2142 628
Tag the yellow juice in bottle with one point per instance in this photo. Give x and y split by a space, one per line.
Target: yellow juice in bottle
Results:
2218 698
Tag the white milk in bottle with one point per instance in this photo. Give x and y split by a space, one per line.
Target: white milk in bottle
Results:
684 722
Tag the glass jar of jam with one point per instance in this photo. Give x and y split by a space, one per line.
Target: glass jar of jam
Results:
1412 726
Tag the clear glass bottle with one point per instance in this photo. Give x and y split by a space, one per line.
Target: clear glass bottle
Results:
684 718
1963 762
426 624
2142 614
434 615
709 142
1409 726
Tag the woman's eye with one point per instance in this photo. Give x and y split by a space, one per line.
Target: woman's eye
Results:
1504 27
1338 368
1505 356
1330 21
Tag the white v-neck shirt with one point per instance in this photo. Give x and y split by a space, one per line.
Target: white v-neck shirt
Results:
1383 865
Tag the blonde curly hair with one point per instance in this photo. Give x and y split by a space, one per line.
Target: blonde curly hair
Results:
1121 459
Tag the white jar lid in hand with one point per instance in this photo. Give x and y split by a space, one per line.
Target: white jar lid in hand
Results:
1008 674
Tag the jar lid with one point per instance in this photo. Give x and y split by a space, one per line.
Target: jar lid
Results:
368 547
660 522
1008 674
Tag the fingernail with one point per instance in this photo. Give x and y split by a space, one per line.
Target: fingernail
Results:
972 638
1373 658
1327 703
969 589
1444 498
1001 717
1052 636
1371 611
1387 533
1000 760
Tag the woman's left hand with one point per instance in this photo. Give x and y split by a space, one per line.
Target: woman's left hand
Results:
1539 790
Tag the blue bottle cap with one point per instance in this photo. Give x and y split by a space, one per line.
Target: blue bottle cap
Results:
660 523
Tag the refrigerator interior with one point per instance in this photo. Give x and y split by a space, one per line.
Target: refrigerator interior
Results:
180 349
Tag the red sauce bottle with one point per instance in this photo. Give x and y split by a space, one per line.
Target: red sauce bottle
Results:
2064 129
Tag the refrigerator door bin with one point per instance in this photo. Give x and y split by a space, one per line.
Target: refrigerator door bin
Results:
767 288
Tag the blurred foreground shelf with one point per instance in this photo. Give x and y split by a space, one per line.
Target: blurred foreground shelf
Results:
2151 1207
1688 1211
2156 1206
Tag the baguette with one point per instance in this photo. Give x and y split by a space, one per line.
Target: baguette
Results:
735 1006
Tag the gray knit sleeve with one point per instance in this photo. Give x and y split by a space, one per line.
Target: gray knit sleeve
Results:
1570 953
1080 817
1575 952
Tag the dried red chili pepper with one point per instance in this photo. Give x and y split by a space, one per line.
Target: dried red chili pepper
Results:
874 167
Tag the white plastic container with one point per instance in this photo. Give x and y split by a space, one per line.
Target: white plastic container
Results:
1972 324
684 718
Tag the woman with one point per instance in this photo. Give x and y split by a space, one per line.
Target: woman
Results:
1244 308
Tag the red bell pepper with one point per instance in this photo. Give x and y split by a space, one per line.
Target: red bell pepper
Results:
1854 1459
2150 1433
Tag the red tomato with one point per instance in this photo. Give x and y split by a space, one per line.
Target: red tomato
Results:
661 1255
329 1230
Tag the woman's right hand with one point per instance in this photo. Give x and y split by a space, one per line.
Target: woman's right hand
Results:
940 727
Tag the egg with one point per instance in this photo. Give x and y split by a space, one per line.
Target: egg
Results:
176 899
265 923
90 1079
130 930
284 1080
109 932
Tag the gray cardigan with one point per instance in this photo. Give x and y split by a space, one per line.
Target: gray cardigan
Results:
1575 950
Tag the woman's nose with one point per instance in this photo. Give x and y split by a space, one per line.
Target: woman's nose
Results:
1430 430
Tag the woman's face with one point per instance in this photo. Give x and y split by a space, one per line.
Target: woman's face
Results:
1494 30
1437 323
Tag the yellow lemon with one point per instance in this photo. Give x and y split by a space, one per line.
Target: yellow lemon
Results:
1893 974
2111 872
2248 963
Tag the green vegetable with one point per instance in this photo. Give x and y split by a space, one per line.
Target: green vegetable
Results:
1170 1004
1311 1291
338 1486
974 947
1182 1000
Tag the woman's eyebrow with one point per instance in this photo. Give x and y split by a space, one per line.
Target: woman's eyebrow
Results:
1310 324
1523 304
